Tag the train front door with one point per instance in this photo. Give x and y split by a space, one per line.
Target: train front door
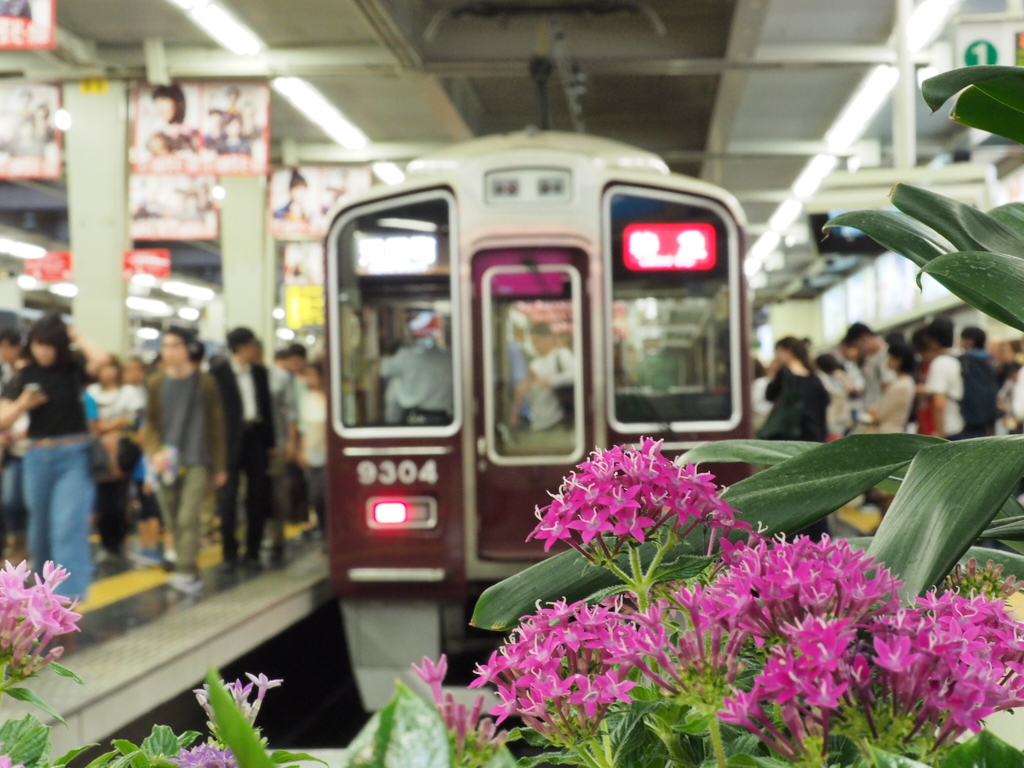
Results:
531 351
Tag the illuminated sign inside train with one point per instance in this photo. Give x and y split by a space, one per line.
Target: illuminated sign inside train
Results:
396 255
669 247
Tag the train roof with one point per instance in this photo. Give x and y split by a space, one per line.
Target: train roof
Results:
614 153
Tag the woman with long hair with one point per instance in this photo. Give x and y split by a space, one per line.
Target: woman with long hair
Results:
800 392
893 411
58 482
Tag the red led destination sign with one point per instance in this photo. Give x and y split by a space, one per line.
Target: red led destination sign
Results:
679 247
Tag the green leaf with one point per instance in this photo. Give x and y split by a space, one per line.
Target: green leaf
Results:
996 276
984 751
188 738
603 594
102 759
1010 528
407 732
161 743
25 741
234 728
132 754
561 757
941 88
28 695
976 109
502 759
806 488
967 228
895 231
882 759
281 756
63 671
950 494
684 567
1011 216
767 452
67 757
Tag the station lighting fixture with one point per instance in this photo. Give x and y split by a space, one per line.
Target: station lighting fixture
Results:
310 102
786 215
21 250
188 313
926 22
222 26
862 108
218 192
149 306
27 282
62 120
67 290
310 339
143 280
278 313
813 174
760 251
188 290
148 334
285 334
389 173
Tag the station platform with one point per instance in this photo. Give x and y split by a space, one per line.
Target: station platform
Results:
142 643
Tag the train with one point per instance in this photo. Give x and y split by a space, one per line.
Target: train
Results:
517 301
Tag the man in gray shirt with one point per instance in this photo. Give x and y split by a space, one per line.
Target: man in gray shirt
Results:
184 441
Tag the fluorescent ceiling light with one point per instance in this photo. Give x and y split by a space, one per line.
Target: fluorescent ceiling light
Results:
389 173
813 174
222 26
310 102
278 313
285 334
416 225
67 290
27 282
760 251
927 22
21 250
149 334
149 306
187 290
188 313
786 215
861 109
144 280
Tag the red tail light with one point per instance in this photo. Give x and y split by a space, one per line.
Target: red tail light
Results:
390 513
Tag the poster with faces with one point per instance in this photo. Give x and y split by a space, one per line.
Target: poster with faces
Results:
201 129
30 144
172 208
304 263
301 197
27 24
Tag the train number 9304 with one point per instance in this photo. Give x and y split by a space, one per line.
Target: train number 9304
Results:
405 472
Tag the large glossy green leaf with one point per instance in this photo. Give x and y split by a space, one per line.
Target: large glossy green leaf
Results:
967 228
766 452
407 732
896 231
941 88
984 751
806 488
977 109
1000 278
950 494
880 759
1010 215
234 728
1012 562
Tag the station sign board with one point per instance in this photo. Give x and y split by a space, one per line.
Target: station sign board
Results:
54 267
677 247
155 262
989 44
301 197
198 129
172 208
27 24
30 144
303 306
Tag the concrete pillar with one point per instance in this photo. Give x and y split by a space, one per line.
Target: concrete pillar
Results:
904 127
244 243
96 161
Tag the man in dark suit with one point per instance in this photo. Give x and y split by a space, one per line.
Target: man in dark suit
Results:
249 422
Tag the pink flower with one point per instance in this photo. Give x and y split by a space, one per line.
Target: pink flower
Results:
433 675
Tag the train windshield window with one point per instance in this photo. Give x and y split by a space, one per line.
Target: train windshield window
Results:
532 340
672 326
395 311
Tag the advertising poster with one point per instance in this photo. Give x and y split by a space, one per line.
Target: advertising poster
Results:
301 197
27 24
304 263
29 140
155 262
172 208
54 267
304 306
199 129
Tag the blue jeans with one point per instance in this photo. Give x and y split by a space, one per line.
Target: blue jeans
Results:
60 494
12 497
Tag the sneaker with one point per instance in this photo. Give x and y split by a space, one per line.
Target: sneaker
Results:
148 557
186 583
171 556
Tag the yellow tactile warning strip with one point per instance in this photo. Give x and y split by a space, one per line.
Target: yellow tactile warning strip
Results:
113 589
865 522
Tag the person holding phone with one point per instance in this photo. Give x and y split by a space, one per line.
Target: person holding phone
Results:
58 483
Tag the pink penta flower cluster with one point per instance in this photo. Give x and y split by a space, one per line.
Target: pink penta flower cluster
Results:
561 670
474 740
32 615
6 762
623 494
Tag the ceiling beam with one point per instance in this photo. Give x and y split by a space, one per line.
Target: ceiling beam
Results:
327 152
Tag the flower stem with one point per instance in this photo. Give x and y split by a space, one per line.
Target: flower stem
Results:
716 741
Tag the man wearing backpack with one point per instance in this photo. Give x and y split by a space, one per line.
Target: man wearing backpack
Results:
979 407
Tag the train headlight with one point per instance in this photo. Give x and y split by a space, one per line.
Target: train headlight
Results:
409 513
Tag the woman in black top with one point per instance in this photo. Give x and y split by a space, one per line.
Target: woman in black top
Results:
797 371
58 483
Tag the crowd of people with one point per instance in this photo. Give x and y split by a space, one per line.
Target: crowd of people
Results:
935 383
169 449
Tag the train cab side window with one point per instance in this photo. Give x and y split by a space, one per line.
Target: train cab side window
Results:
395 311
672 313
